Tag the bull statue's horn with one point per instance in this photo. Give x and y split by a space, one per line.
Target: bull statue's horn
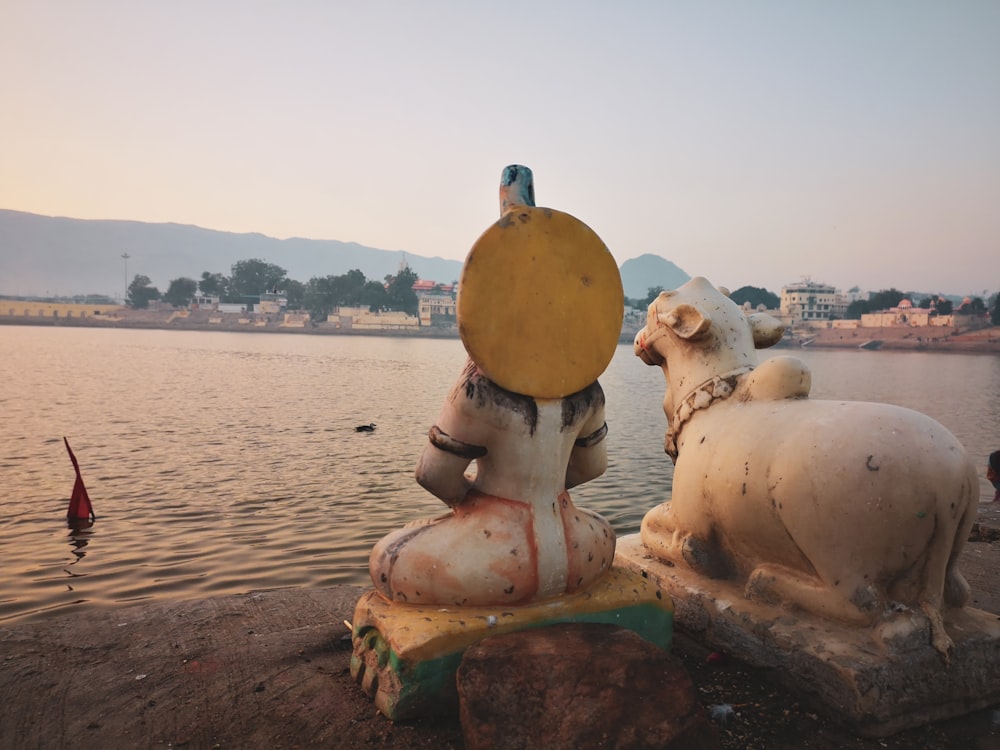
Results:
767 330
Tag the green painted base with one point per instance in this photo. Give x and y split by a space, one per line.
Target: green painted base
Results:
405 656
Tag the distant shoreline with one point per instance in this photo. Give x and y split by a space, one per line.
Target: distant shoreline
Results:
984 341
322 329
900 338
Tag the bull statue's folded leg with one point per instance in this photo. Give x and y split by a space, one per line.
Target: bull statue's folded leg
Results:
667 538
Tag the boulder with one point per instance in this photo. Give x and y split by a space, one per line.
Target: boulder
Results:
578 686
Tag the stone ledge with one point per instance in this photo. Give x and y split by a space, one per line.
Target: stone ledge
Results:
987 525
405 656
843 672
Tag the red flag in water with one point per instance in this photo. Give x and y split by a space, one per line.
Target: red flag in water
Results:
79 503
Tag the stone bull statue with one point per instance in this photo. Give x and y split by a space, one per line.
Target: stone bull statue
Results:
848 510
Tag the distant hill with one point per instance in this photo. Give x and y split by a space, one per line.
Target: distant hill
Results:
54 256
59 256
641 274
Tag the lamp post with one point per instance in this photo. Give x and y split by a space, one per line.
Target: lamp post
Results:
125 257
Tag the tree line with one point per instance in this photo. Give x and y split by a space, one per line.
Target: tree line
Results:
320 296
756 296
881 300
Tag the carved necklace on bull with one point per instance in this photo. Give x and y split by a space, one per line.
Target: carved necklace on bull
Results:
714 389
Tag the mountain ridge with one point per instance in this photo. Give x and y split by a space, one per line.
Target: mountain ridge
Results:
63 256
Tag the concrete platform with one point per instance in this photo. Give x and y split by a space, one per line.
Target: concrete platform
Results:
271 670
263 670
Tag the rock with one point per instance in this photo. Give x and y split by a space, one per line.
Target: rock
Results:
578 686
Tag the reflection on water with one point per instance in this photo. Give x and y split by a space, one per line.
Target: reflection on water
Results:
224 462
79 538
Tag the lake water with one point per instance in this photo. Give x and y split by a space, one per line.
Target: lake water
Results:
219 463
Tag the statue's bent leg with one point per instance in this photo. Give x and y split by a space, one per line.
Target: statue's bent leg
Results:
590 544
480 554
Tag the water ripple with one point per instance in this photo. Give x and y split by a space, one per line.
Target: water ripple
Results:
220 463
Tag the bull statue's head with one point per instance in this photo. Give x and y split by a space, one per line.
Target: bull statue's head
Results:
696 333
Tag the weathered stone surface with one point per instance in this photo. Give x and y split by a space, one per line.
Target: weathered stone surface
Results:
405 656
578 686
877 681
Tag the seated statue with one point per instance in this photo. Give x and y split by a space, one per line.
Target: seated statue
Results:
514 535
539 310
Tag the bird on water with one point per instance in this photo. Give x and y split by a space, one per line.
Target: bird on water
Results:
370 427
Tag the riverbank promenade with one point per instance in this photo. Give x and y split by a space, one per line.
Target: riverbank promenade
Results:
905 338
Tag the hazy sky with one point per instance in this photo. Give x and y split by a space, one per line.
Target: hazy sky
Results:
856 141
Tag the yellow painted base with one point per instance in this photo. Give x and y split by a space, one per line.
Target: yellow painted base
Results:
405 656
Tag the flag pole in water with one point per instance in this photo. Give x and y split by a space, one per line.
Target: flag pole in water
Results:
80 508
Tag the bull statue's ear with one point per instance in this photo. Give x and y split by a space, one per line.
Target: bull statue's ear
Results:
723 291
767 331
686 321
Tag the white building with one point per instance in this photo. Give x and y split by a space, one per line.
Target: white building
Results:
272 303
362 319
807 301
204 302
437 309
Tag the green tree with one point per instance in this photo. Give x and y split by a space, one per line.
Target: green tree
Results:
756 296
374 295
995 309
295 292
651 293
885 299
251 277
180 292
213 284
348 287
141 292
941 305
319 298
399 289
856 309
323 294
975 306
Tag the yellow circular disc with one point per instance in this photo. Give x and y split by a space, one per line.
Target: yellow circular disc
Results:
540 303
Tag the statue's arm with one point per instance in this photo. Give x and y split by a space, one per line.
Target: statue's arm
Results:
442 466
589 457
453 443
